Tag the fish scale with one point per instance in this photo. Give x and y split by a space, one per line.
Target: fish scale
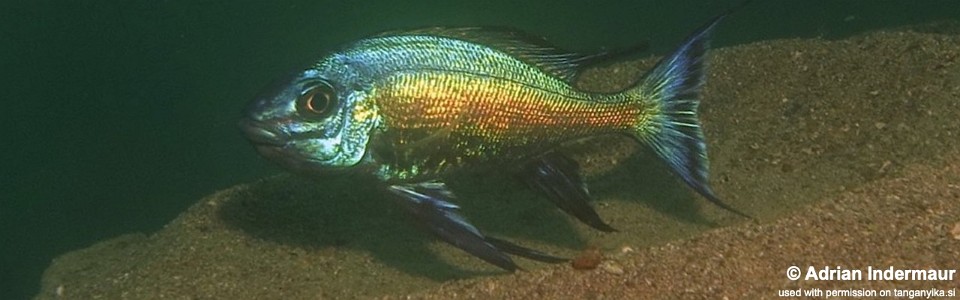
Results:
500 113
426 53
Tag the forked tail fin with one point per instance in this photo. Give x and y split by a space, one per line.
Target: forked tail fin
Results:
671 94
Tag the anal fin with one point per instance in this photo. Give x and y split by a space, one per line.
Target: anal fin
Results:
558 177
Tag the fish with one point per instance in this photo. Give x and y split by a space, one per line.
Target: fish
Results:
411 108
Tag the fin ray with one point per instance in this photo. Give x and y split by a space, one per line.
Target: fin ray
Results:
672 89
427 205
557 176
522 251
426 202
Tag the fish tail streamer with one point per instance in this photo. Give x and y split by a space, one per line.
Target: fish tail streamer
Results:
670 92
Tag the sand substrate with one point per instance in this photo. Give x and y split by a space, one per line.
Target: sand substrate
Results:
845 151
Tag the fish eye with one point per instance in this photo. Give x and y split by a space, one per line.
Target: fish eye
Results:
317 101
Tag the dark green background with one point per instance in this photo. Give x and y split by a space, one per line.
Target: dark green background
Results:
117 115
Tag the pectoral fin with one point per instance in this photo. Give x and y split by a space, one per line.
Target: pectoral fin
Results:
558 177
426 202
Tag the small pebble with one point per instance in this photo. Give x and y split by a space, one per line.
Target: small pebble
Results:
611 267
588 259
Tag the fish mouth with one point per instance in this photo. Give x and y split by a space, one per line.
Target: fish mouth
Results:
275 147
267 142
259 134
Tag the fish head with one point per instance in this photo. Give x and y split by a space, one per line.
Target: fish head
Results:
311 121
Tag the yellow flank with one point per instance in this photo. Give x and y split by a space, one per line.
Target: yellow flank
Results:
364 113
482 115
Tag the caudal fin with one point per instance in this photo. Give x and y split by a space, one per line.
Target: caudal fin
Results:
671 91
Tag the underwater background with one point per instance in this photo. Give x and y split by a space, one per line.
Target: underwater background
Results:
118 115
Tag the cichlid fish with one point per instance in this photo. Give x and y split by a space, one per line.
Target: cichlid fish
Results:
411 108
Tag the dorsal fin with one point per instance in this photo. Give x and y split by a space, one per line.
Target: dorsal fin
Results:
526 47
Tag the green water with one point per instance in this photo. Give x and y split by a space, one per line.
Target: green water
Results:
120 114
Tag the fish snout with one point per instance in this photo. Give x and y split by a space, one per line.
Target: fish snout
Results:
260 133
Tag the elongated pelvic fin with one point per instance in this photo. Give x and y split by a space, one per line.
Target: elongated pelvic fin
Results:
426 202
522 251
673 87
558 177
